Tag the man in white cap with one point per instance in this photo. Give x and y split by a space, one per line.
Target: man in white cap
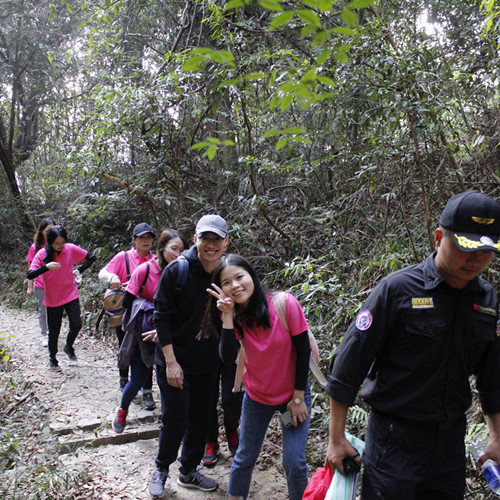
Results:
187 365
420 335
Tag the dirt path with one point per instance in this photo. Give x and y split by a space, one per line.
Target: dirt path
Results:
82 400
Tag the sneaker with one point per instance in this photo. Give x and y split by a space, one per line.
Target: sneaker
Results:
156 486
70 352
196 479
210 456
147 399
54 365
233 441
123 383
45 340
118 424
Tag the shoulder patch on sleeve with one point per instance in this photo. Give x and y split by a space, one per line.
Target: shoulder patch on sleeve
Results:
364 320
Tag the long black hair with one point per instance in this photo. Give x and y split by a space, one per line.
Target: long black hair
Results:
166 236
39 238
256 313
53 233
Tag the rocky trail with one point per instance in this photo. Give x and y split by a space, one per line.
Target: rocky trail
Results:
81 401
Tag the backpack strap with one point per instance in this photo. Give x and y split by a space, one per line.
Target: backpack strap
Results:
280 307
182 272
127 265
145 279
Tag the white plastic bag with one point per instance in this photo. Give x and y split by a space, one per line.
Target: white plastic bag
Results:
344 487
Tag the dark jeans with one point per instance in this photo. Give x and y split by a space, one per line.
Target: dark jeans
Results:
54 320
231 403
412 460
148 381
184 417
139 373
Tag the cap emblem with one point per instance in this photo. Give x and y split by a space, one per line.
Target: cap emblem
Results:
483 220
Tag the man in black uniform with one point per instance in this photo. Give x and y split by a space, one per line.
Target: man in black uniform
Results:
412 347
187 366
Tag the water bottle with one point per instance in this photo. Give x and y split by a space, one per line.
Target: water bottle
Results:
78 276
490 468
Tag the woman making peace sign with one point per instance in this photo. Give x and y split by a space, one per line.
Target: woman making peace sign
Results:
276 362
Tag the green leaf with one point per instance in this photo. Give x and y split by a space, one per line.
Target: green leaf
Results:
359 4
294 130
231 82
309 17
281 19
52 11
272 78
327 81
211 152
51 59
228 142
324 56
282 143
222 57
234 4
271 5
271 133
342 30
254 76
349 17
193 64
200 145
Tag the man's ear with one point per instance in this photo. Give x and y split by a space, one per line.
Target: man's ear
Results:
438 236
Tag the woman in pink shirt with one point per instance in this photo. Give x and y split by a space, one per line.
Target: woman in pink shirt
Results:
140 350
38 290
55 262
276 363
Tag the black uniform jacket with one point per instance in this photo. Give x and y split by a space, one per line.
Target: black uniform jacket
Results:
178 315
414 344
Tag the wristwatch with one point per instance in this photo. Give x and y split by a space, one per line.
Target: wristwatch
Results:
297 401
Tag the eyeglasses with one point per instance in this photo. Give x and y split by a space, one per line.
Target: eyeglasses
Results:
213 239
174 249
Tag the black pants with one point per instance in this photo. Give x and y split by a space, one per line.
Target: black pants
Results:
413 461
148 384
54 320
184 417
231 403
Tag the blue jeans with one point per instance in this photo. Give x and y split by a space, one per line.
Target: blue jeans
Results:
139 373
255 418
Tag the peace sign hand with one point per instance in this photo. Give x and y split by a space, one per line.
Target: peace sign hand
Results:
224 303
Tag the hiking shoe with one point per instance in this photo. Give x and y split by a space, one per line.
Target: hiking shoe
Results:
54 365
233 441
123 383
196 479
70 352
210 456
118 424
156 486
147 399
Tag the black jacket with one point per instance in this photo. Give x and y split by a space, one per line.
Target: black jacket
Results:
178 315
414 345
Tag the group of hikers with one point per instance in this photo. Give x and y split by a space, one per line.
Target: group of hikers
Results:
202 318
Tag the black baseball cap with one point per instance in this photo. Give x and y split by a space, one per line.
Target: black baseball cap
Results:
474 221
142 229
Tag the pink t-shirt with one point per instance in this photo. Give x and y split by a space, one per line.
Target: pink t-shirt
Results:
270 355
118 266
60 286
137 279
38 281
